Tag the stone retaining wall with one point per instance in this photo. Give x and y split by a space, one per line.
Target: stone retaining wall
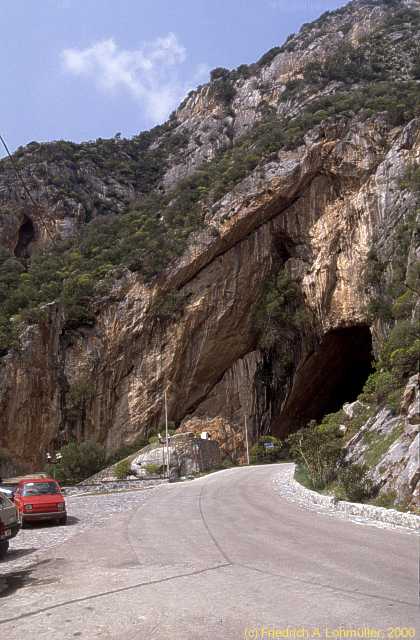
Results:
111 486
289 488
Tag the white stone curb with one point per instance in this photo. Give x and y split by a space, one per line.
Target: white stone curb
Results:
293 490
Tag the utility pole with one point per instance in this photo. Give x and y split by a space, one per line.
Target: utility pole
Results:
246 441
167 435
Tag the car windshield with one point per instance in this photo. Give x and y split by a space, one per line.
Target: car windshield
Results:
40 488
8 488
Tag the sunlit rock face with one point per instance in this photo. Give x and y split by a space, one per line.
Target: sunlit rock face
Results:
315 210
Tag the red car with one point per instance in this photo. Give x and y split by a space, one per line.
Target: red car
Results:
40 499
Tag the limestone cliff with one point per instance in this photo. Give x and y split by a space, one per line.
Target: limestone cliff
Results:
289 167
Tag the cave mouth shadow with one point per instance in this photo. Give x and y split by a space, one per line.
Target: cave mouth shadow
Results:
25 238
332 375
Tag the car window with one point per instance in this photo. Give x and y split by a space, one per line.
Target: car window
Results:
4 501
40 488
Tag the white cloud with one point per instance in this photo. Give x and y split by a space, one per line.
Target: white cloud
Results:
149 74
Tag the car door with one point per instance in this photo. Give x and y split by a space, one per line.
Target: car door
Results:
7 515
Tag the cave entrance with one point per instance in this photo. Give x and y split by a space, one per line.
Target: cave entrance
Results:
25 238
333 374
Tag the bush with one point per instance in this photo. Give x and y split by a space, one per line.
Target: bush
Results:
378 444
154 469
387 499
278 309
218 72
78 462
411 179
319 450
378 387
223 89
269 56
168 307
260 454
355 482
122 469
402 338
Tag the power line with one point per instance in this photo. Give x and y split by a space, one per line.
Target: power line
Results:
36 206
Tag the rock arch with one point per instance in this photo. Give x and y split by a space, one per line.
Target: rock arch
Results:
334 373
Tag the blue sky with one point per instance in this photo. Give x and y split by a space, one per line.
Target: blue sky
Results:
83 69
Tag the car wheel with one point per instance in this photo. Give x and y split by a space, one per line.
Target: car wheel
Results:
4 545
62 520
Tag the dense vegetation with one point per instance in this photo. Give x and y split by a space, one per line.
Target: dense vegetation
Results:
279 312
266 450
79 461
140 162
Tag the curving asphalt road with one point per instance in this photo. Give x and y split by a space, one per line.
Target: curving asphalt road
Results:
220 557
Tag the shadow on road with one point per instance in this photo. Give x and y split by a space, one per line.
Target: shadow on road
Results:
11 582
16 554
71 520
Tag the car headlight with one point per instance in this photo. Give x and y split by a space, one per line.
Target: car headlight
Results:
28 507
60 506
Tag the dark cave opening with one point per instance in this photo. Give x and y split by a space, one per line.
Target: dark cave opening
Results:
25 239
333 374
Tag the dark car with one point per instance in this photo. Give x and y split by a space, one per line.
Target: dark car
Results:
8 489
9 523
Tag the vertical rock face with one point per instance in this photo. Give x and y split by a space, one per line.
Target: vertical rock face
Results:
314 209
389 444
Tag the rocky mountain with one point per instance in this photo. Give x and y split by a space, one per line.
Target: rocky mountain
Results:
250 256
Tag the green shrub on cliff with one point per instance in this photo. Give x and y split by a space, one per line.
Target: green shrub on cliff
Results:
122 469
279 310
154 469
349 65
11 271
268 449
355 482
78 462
319 449
136 161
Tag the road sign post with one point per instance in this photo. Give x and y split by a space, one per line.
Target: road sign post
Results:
246 441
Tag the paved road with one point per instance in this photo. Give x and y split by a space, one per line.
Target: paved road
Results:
86 512
219 557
